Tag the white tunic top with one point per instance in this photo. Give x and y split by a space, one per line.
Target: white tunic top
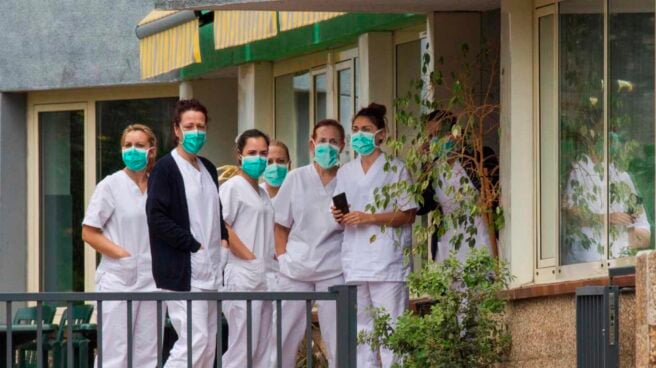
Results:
250 214
272 267
586 191
447 196
118 208
315 239
204 223
369 254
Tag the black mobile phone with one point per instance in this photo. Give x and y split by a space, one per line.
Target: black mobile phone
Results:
341 203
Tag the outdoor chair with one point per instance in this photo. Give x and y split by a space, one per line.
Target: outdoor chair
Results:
58 344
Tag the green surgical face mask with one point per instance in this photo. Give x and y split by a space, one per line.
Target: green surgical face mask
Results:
193 140
275 174
326 155
364 142
253 166
135 159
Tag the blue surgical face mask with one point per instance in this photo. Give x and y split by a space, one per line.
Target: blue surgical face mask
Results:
135 159
275 174
193 140
326 155
447 147
253 166
364 142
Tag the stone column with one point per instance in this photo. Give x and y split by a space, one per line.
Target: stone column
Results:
645 319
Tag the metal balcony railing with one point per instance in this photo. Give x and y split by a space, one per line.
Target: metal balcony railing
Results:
343 295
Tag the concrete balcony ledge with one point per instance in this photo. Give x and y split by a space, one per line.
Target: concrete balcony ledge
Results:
645 325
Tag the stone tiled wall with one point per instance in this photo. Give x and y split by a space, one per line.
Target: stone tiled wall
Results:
646 309
544 332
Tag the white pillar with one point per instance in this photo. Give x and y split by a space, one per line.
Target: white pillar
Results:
517 163
376 53
255 97
186 90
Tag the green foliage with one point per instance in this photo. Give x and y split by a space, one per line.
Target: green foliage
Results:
464 328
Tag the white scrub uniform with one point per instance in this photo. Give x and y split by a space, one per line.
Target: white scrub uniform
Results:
272 285
250 214
118 208
205 225
447 199
312 261
371 258
584 178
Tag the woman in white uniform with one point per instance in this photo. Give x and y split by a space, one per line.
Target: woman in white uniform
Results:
308 241
115 226
248 211
447 191
187 233
278 165
371 258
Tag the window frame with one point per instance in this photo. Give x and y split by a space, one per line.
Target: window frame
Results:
326 62
550 269
64 100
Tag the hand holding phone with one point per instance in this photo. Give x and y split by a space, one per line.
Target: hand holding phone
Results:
341 203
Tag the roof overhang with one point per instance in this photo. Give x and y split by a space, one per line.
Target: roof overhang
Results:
376 6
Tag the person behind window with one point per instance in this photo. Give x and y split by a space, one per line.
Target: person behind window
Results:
115 226
373 244
308 241
585 200
249 214
442 195
188 237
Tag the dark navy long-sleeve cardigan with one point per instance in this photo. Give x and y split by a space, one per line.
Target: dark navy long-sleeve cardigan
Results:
171 242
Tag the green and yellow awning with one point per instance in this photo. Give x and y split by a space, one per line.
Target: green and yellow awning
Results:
169 40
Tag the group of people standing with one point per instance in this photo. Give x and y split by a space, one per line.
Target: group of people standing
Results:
169 226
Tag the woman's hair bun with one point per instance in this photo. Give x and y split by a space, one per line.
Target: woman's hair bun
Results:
377 109
374 112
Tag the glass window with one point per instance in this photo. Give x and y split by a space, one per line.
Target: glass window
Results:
631 126
61 200
320 97
583 199
606 130
346 107
114 116
292 103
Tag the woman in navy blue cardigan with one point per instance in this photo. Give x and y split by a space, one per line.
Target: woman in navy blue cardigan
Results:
188 237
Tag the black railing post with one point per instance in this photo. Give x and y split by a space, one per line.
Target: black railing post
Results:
347 311
10 348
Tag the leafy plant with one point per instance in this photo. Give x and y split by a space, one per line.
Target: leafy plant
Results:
465 326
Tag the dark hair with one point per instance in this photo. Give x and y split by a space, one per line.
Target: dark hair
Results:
375 113
443 116
250 133
328 123
181 107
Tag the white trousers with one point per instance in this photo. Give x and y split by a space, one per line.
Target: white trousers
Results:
115 334
236 355
393 297
294 320
203 336
272 285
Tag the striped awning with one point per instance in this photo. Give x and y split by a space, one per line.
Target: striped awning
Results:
168 40
291 20
239 27
234 28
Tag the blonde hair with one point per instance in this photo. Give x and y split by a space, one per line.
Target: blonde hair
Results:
152 139
280 144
